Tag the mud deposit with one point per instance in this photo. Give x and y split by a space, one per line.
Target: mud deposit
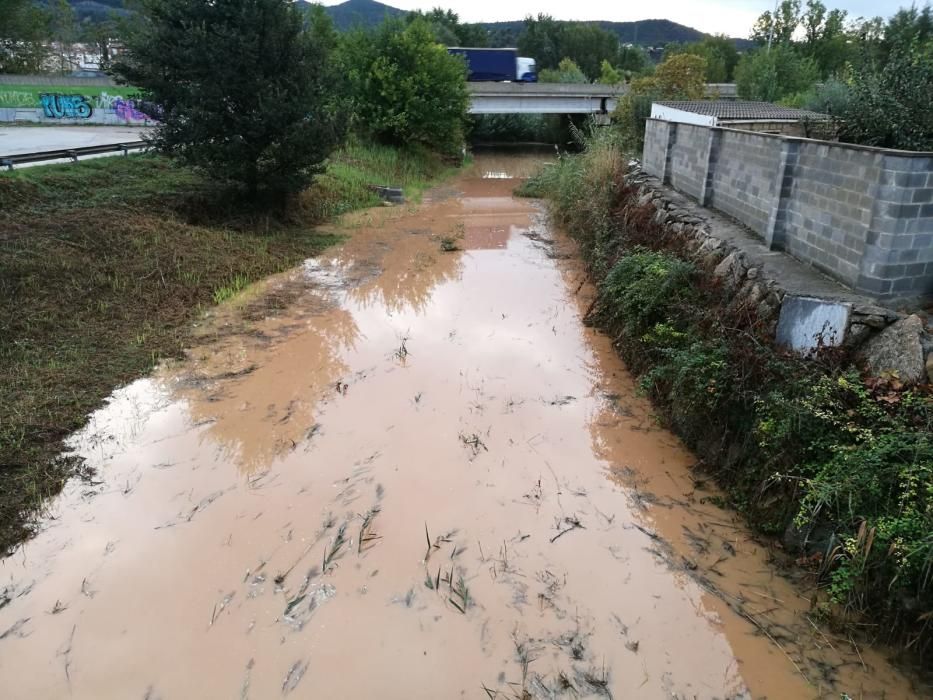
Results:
404 472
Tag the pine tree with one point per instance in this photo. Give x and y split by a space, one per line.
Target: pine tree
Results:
243 89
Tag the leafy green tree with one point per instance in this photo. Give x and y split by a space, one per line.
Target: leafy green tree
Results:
406 87
588 45
243 91
775 74
679 77
908 27
566 72
449 31
23 28
101 35
632 59
719 52
778 28
64 31
825 38
609 75
541 40
890 106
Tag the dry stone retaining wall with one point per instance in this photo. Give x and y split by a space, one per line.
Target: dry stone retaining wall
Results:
805 309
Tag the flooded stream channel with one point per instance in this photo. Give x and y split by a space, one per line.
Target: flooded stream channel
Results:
399 472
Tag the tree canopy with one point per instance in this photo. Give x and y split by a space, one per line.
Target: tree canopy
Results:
23 28
242 89
405 87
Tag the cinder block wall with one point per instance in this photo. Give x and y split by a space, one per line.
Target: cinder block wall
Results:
829 207
862 215
654 156
688 159
745 179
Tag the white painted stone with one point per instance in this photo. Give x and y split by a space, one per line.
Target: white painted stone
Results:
806 323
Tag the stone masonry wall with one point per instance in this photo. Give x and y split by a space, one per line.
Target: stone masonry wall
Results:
862 215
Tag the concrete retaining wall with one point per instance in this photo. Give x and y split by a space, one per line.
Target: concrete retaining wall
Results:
109 116
862 215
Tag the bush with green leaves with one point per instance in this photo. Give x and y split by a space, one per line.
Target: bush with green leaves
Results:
773 74
864 468
640 289
244 92
566 72
406 88
890 106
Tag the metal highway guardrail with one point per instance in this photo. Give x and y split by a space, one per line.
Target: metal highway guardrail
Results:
72 154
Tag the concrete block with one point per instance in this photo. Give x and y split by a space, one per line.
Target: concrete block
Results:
806 324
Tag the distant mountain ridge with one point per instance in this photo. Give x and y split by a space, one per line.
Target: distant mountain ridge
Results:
367 13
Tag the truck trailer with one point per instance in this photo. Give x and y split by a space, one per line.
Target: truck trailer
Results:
496 65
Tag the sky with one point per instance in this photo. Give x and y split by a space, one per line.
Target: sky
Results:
732 17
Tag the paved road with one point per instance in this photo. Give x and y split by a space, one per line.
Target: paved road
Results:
27 139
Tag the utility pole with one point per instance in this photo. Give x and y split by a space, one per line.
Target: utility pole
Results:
773 22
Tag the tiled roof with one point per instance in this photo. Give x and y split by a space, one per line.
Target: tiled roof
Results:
725 110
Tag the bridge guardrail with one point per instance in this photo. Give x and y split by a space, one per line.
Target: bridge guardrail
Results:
73 154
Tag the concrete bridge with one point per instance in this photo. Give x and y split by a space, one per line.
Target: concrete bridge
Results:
558 98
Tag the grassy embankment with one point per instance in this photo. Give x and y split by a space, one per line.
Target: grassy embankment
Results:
812 444
28 95
104 264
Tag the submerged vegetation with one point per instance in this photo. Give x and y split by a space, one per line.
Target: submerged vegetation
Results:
838 463
105 263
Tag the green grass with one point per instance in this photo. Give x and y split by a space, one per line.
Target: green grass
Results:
345 185
28 95
104 264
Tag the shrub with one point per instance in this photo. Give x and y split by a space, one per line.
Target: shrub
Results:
566 72
771 75
890 107
406 87
640 289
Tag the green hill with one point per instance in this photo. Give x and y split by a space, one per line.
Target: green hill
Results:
368 13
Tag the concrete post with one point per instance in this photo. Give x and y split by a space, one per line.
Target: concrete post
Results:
774 233
713 144
671 134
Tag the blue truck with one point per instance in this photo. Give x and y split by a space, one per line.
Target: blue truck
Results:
497 65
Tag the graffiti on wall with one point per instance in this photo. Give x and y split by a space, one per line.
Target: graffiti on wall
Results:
129 110
126 109
58 106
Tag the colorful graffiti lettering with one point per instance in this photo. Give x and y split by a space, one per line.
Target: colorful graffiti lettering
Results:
126 109
15 98
59 106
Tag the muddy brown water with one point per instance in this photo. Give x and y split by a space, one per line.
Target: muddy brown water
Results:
399 472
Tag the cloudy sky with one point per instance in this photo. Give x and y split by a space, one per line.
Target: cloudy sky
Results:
733 17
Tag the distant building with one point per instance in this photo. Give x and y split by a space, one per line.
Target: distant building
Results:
749 116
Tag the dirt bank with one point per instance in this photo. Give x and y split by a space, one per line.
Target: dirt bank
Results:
407 473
